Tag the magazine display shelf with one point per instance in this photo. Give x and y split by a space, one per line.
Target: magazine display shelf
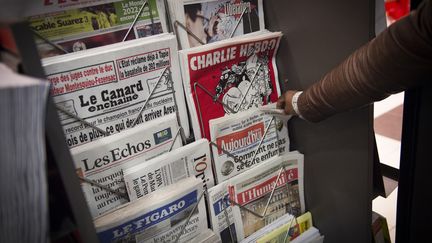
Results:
338 151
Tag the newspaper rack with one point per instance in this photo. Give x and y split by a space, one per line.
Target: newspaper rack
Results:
61 109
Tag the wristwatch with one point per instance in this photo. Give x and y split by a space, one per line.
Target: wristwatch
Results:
294 102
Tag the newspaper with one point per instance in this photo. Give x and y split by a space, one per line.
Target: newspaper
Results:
219 208
215 20
103 160
80 25
252 190
208 236
240 135
108 86
158 217
239 72
191 160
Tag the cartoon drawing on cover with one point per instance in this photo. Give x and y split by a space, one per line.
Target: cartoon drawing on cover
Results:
245 84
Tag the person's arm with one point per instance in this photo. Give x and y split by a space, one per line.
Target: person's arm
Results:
397 59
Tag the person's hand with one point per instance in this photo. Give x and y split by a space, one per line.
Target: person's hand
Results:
284 102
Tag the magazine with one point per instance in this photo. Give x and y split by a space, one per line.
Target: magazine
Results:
240 135
312 235
169 168
158 217
239 73
108 86
285 220
279 232
252 190
103 160
80 25
219 209
215 20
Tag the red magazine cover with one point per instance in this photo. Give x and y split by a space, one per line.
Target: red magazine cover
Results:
230 76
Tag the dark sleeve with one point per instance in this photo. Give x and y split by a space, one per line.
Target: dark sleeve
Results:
397 59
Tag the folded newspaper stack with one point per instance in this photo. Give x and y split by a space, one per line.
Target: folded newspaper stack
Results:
158 217
229 76
251 201
246 139
85 24
103 160
214 20
108 86
23 174
190 160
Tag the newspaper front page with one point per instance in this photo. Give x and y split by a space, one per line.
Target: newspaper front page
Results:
219 208
252 189
80 25
157 217
193 159
240 135
229 76
215 20
108 86
103 161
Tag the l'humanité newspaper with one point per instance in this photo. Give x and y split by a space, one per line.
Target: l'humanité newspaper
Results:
159 217
252 189
108 87
104 160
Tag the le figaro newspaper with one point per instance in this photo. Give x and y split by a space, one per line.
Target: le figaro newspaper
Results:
79 25
229 76
108 86
158 217
252 189
246 139
215 20
104 160
193 159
